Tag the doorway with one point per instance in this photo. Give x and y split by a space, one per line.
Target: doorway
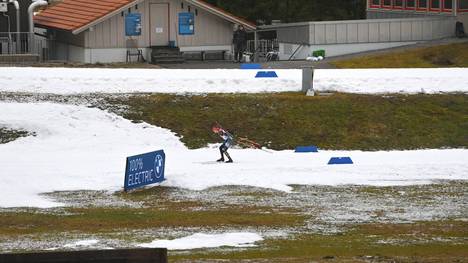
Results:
159 24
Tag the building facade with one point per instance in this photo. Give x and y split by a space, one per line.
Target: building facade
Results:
95 31
389 23
418 8
300 40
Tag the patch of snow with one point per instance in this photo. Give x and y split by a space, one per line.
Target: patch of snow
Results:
92 80
75 148
82 243
200 240
98 80
378 81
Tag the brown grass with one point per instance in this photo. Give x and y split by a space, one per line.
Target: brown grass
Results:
452 55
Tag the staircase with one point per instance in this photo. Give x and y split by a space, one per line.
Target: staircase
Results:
166 55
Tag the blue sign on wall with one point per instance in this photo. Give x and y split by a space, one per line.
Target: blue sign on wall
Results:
133 24
144 169
186 24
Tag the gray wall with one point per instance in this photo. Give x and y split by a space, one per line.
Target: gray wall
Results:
368 31
298 34
463 17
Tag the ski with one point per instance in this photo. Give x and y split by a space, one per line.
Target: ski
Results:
212 162
248 142
244 141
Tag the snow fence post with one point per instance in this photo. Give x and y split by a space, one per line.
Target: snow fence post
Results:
307 80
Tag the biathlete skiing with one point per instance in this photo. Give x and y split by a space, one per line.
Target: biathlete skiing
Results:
228 140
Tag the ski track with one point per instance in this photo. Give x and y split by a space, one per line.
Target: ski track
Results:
81 148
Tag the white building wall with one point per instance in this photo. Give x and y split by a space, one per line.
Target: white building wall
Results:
366 31
110 55
355 36
104 55
286 50
76 54
381 30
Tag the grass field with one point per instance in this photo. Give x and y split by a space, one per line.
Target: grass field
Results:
286 120
345 224
452 55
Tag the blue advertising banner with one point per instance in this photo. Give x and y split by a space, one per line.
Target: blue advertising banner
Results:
133 24
306 149
340 160
144 169
266 74
250 66
186 24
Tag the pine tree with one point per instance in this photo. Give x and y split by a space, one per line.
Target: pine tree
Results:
294 10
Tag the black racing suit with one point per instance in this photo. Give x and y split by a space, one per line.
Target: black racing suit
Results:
228 140
240 42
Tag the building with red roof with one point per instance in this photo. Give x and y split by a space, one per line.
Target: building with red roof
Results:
92 31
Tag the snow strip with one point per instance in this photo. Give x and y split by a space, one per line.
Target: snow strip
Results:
80 148
207 241
67 81
92 80
375 81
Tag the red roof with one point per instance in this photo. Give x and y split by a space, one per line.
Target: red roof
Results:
74 14
78 15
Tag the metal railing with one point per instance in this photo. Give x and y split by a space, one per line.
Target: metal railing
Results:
14 46
264 46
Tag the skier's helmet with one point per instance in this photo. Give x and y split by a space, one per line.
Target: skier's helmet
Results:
215 128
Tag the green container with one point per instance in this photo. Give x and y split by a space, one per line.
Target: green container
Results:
318 53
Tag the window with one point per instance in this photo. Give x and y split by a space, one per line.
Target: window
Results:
398 4
374 3
422 5
447 6
434 5
387 3
463 5
410 4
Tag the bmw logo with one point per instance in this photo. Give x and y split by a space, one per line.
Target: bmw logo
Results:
158 166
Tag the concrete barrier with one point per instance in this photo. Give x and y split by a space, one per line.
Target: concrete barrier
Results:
19 58
141 255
